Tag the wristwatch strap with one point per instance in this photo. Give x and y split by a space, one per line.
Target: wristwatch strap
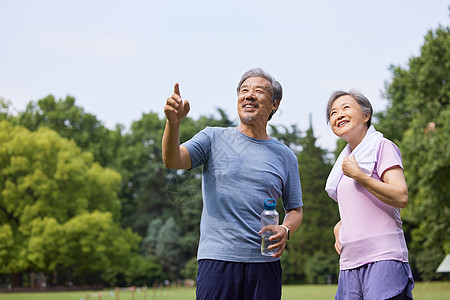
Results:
287 230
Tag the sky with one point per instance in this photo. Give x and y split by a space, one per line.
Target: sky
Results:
120 59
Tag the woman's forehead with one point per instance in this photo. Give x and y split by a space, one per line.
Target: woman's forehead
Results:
346 99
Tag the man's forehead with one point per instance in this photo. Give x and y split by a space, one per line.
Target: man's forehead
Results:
258 81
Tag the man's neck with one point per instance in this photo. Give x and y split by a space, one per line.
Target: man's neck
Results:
256 132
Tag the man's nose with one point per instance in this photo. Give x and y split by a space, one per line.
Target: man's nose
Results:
250 95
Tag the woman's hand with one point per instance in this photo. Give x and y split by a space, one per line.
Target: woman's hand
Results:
336 230
350 167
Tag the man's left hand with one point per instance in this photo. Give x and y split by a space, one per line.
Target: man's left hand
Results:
280 235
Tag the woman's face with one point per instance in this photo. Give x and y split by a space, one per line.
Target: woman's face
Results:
347 120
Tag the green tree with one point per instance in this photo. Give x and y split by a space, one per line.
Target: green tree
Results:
5 113
86 246
139 160
190 269
168 249
72 122
149 242
291 137
144 271
321 268
417 119
56 203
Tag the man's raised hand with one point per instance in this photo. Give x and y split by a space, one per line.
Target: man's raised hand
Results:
175 109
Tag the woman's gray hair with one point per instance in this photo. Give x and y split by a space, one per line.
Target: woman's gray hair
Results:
363 102
275 86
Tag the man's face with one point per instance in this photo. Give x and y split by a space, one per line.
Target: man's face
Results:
255 101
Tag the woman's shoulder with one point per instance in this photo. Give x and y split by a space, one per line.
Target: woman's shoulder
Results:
387 144
388 155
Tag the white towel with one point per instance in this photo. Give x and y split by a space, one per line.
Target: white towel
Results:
365 155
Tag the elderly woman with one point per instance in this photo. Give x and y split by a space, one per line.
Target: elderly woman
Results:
368 183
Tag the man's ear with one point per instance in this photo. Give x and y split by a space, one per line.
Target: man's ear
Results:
275 105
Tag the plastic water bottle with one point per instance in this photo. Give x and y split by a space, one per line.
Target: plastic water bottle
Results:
269 216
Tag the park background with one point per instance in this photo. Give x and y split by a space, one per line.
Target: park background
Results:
85 199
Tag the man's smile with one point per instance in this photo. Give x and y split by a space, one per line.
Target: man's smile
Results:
250 106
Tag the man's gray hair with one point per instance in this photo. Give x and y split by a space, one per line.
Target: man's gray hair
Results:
363 102
275 86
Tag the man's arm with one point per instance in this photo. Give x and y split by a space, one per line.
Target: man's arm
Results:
175 156
293 219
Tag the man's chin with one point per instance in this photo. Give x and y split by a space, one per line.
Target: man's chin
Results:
247 120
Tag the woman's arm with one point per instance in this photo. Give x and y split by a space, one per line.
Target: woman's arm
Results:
392 190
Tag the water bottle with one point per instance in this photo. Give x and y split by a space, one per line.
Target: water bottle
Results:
269 216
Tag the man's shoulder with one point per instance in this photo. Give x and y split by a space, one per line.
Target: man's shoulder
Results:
283 150
218 129
218 134
210 130
281 145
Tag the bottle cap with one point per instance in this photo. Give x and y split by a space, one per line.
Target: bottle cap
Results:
270 204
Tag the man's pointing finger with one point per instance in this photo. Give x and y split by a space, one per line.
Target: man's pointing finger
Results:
176 89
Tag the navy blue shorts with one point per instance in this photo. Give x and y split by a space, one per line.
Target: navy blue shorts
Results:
222 280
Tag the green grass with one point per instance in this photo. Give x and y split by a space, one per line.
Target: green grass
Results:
422 291
180 293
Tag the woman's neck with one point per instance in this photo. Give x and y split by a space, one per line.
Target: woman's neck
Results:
355 140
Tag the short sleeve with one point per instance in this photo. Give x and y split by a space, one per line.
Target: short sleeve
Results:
292 191
388 156
199 146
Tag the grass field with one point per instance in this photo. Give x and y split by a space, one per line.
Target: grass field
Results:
422 291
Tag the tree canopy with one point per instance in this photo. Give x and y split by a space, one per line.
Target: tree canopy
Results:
417 119
58 207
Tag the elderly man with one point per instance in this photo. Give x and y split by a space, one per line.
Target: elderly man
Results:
242 167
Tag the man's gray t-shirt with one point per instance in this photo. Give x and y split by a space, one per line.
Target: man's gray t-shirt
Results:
239 173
